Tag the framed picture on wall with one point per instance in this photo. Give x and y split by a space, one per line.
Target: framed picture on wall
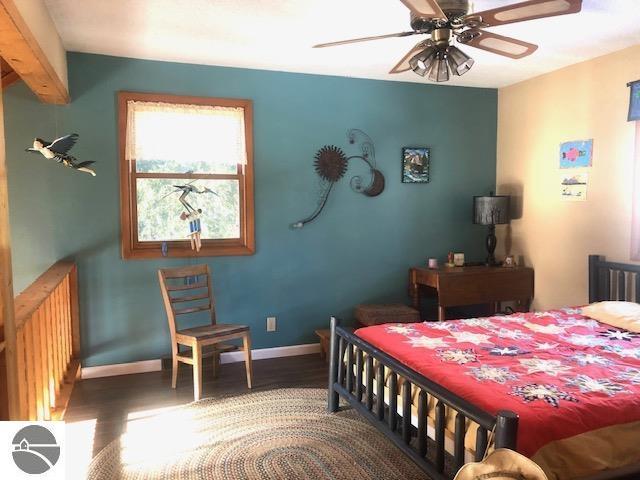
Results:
634 101
415 164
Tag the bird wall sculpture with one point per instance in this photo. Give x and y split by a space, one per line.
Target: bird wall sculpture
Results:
192 214
58 150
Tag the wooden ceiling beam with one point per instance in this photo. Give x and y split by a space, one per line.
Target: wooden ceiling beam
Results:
9 77
21 50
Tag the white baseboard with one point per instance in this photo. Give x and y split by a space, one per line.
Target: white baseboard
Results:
274 352
228 357
121 369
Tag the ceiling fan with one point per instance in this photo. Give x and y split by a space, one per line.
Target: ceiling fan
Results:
444 20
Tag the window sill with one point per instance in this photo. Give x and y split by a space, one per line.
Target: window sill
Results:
147 253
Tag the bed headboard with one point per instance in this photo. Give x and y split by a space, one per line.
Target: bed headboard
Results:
613 281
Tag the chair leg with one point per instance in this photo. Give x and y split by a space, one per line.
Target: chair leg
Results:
216 365
246 343
174 371
197 371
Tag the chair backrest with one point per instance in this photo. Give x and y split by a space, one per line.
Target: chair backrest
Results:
186 290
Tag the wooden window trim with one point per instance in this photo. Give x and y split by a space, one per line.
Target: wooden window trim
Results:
131 248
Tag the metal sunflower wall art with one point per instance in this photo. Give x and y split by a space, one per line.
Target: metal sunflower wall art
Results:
331 164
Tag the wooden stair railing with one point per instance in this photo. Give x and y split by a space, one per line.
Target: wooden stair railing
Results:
45 351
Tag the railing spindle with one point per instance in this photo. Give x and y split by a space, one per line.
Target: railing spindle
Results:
37 365
406 411
359 366
481 443
60 317
341 367
51 315
349 385
423 411
29 364
22 375
44 359
458 446
622 286
380 391
51 354
67 324
369 382
440 425
63 353
393 401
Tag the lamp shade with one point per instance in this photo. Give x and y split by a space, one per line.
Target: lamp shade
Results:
492 210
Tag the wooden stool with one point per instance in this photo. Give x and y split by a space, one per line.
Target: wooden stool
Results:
368 315
325 339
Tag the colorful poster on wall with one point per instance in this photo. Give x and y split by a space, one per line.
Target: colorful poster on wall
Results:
576 154
573 187
634 101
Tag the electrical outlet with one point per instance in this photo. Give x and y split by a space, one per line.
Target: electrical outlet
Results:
271 324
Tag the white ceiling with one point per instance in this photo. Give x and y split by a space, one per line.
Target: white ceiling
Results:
278 35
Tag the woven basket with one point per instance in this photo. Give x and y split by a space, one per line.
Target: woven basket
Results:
391 313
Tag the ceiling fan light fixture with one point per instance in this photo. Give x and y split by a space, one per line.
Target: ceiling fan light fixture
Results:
459 62
439 69
421 63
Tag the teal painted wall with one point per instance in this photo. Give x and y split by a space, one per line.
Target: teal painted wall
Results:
357 251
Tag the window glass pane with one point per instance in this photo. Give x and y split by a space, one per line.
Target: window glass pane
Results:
159 209
170 138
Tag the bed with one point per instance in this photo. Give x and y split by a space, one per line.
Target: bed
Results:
558 387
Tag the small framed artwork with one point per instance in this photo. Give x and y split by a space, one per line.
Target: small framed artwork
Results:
576 154
415 164
634 101
573 188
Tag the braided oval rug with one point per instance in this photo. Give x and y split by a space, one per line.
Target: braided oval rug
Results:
276 434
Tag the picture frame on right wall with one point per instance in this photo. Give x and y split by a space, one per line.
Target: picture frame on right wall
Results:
634 101
416 164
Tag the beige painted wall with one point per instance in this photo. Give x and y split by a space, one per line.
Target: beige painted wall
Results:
586 100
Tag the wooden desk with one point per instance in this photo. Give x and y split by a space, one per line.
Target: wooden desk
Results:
458 286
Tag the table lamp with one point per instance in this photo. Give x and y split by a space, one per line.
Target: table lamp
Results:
491 211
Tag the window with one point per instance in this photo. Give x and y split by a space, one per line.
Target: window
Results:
167 141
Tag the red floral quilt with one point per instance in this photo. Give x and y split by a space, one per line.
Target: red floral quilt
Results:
563 374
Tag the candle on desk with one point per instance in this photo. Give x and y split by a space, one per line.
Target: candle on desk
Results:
433 263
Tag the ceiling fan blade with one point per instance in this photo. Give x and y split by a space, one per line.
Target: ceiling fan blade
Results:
365 39
501 45
403 65
425 8
530 10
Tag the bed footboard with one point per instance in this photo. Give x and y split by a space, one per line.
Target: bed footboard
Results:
357 388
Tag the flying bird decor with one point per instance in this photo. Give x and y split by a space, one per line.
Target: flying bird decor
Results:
191 214
331 164
58 150
445 20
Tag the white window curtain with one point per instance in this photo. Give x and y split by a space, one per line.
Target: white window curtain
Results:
187 133
635 226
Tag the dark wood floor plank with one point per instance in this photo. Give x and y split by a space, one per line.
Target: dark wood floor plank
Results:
111 400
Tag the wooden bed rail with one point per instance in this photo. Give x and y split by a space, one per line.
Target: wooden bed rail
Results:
42 346
347 354
613 281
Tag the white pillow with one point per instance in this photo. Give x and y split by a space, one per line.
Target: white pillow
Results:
624 315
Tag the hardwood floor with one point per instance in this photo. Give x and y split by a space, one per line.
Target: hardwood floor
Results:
108 403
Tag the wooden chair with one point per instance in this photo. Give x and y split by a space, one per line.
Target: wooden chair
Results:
192 286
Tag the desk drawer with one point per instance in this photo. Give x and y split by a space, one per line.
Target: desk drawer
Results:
496 286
